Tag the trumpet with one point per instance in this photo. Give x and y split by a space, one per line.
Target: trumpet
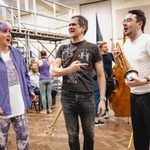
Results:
122 61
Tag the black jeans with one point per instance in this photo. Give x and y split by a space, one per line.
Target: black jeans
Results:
77 105
140 114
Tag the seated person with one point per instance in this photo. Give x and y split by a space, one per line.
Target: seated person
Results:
34 77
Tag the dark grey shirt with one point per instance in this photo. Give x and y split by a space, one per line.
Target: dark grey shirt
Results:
80 81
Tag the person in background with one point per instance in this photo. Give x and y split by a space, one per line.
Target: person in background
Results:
15 90
96 93
107 62
34 77
45 83
137 52
75 62
108 59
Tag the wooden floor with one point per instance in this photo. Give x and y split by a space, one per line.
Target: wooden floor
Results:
114 135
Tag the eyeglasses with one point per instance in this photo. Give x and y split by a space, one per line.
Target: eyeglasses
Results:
127 20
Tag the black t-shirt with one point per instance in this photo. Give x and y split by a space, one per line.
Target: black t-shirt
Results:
80 81
107 61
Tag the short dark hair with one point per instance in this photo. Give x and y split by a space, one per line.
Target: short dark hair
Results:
140 16
82 22
43 54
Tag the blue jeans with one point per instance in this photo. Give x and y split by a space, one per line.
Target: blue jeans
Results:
96 96
77 105
45 91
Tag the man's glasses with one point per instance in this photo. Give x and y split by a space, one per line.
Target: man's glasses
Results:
127 20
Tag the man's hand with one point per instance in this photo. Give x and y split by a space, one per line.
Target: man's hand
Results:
101 108
76 66
1 111
135 82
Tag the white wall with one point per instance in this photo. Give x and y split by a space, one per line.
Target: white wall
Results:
103 11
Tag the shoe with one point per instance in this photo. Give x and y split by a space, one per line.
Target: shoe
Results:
43 112
49 111
106 116
99 123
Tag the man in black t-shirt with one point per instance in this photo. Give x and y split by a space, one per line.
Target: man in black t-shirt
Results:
75 62
108 60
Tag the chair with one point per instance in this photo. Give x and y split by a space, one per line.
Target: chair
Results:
38 101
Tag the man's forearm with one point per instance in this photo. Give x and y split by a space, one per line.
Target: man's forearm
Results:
57 72
102 86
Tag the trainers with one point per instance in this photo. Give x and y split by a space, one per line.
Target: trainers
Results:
49 111
106 116
99 123
43 112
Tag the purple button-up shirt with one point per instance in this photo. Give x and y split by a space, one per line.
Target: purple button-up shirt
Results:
24 79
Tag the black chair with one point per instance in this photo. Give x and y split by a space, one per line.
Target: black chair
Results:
37 102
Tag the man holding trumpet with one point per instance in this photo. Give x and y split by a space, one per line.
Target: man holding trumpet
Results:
137 52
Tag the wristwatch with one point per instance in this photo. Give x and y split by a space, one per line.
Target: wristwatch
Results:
103 98
147 79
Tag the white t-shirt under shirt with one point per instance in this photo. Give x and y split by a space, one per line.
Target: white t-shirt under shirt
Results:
34 79
138 55
16 99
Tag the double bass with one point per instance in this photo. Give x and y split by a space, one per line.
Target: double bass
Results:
120 98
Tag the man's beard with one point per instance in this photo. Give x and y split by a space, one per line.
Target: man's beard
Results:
34 71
